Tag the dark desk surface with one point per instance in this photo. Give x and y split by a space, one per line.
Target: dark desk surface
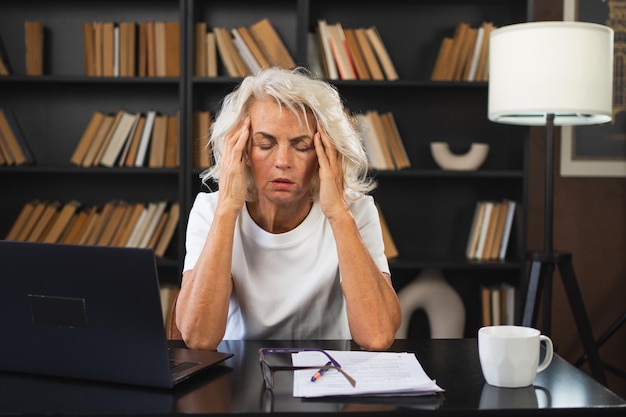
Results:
237 387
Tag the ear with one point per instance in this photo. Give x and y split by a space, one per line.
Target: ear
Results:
246 158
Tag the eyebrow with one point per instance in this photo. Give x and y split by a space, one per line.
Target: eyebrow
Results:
300 138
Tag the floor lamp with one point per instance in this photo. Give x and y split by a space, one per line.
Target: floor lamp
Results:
552 74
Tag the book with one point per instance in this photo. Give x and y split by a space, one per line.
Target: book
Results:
338 47
107 138
484 228
355 53
201 133
225 52
172 49
34 38
155 213
44 221
142 49
132 140
160 51
211 52
12 136
491 230
21 220
485 296
499 231
504 243
100 224
70 236
496 313
377 124
146 136
171 159
442 63
330 66
156 157
127 224
119 136
66 213
89 48
482 66
470 74
138 227
271 44
200 50
396 145
128 49
248 38
5 65
156 234
168 230
245 53
371 142
113 223
151 49
381 53
475 228
87 138
465 54
31 221
460 34
108 49
375 70
89 226
98 140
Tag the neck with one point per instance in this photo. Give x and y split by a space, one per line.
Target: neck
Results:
275 218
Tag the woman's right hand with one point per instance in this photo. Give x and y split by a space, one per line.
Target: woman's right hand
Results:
232 163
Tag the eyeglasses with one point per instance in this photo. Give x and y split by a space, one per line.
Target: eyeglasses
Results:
268 369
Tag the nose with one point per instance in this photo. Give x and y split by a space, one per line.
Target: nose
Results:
283 157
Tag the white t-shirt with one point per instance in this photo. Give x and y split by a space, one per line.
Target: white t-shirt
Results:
287 285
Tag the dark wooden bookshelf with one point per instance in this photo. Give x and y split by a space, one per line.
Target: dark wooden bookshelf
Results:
428 210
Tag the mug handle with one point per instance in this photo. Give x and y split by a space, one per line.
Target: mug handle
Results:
549 352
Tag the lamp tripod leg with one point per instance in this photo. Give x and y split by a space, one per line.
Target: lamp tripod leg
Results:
574 296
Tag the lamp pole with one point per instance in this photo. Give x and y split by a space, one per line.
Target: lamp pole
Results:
542 268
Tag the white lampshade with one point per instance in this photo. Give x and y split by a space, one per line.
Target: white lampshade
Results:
563 68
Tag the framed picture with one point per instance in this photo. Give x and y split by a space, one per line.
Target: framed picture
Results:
600 150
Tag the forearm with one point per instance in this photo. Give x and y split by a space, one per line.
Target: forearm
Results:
202 306
372 304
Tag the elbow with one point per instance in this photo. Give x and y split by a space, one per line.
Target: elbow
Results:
195 339
378 342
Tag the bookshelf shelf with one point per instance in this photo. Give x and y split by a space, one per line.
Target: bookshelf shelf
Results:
428 210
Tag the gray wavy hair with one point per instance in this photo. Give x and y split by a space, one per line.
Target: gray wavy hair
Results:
299 92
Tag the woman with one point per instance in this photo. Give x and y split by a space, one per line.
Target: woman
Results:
290 247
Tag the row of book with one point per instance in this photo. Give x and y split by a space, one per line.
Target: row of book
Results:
351 53
498 304
131 49
128 139
490 230
384 146
243 50
465 56
116 223
13 147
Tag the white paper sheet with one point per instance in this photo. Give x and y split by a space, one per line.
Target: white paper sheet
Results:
376 373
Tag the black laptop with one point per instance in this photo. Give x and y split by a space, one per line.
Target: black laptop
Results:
89 312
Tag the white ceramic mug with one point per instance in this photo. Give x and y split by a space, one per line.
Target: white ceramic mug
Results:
509 355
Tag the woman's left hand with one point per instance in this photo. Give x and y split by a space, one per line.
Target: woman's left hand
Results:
331 175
